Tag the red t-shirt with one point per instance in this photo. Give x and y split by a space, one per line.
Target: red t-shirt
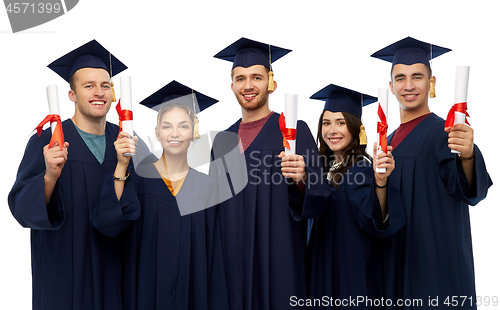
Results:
404 129
248 131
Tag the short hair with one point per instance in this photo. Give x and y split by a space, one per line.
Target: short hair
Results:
232 71
429 70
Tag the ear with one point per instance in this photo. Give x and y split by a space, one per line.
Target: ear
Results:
232 88
72 95
433 77
390 86
275 86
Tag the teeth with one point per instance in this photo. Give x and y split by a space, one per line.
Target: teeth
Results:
410 96
98 102
250 96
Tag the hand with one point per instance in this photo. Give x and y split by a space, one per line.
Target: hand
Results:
293 166
54 160
383 160
124 144
461 138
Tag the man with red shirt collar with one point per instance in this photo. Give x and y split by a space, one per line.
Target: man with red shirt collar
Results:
262 233
432 255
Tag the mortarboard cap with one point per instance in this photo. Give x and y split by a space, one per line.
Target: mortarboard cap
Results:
246 53
175 92
409 51
340 99
89 55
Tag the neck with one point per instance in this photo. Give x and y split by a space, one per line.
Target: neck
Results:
93 126
177 166
408 115
254 115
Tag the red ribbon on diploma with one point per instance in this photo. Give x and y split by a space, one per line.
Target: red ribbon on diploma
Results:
288 133
459 107
382 128
57 135
124 115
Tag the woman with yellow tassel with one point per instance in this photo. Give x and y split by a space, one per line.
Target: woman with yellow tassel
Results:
344 251
172 258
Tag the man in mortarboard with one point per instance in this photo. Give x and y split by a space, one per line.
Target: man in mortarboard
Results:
431 258
263 237
73 265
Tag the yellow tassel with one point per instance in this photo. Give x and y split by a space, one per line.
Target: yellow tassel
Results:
362 136
271 81
113 90
432 91
196 131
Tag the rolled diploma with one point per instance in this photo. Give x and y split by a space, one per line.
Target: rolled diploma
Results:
383 99
53 99
126 104
291 106
461 87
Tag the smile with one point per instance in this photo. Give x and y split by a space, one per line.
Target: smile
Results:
335 140
174 142
249 96
97 102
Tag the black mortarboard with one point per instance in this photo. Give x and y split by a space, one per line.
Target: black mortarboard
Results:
89 55
175 92
340 99
409 51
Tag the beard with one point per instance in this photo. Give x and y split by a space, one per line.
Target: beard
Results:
254 104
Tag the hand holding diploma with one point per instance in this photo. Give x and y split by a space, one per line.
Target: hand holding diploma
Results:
383 94
124 108
460 138
53 118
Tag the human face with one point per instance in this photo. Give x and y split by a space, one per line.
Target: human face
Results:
175 132
410 85
335 132
250 87
92 94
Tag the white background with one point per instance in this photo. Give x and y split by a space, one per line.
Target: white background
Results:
331 41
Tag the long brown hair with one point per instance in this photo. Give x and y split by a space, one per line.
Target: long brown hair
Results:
353 153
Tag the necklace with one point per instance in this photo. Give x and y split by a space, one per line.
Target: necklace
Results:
332 170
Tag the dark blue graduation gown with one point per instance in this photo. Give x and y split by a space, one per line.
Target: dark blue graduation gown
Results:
263 238
74 266
346 246
432 255
171 261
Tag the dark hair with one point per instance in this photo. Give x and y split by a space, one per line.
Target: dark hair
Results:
429 70
351 154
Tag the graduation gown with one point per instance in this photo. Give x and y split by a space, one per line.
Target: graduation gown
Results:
432 256
74 266
263 237
170 261
346 247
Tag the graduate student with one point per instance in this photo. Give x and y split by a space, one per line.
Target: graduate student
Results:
73 265
172 259
263 240
432 256
345 246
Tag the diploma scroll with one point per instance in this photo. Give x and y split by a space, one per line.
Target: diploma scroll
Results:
383 99
126 106
291 107
53 100
461 88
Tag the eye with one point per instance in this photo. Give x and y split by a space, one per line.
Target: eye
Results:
258 78
341 123
326 123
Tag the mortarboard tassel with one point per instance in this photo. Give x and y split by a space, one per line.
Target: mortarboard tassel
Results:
270 86
271 81
432 91
196 131
362 136
113 90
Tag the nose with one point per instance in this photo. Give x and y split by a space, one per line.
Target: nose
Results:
175 132
248 84
98 91
409 84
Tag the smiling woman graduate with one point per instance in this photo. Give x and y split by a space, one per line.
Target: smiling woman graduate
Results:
173 260
345 248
